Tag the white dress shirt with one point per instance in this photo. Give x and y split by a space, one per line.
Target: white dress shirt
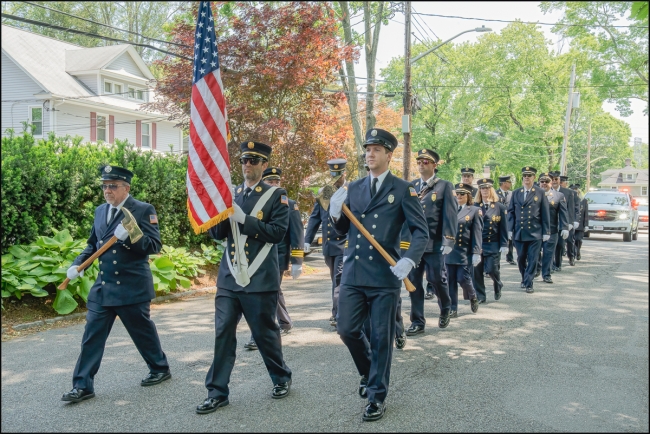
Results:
380 179
119 207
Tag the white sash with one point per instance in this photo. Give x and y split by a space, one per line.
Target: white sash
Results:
243 271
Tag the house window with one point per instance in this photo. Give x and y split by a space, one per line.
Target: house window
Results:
146 141
108 87
644 191
140 95
629 177
36 120
131 92
101 127
118 89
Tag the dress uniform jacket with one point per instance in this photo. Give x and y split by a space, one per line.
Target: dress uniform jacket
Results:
557 211
124 274
290 249
504 197
469 240
333 243
583 216
528 219
573 208
495 227
383 216
269 226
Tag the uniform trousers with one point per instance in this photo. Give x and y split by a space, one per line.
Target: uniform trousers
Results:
509 256
548 252
372 356
527 256
564 246
434 267
489 265
99 321
335 264
579 235
281 313
399 322
259 310
458 274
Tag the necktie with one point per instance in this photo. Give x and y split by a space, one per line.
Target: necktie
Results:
113 212
247 193
525 194
373 188
459 208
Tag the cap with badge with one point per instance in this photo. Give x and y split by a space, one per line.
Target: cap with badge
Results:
505 179
428 154
564 178
255 149
111 173
377 136
467 171
575 186
271 173
528 170
485 182
337 166
545 175
554 174
463 188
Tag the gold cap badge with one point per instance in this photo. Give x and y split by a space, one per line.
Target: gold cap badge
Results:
258 189
251 145
274 171
336 166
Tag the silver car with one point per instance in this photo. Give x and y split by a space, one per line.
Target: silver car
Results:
643 216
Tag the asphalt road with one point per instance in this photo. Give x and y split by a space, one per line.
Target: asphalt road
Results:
573 356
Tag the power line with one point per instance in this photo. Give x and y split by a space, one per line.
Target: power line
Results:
523 22
425 23
92 35
106 25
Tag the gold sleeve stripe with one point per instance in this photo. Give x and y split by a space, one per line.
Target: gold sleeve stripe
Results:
298 253
404 245
346 244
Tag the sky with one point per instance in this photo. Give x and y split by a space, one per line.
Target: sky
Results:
391 39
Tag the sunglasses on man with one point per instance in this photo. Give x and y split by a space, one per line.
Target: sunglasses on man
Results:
460 193
528 175
254 161
544 181
111 186
425 162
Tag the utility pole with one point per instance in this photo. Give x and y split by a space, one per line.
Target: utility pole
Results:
588 159
567 122
406 118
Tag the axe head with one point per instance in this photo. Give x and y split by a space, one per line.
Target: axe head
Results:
326 193
131 226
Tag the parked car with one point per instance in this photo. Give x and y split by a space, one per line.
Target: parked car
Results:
611 212
642 208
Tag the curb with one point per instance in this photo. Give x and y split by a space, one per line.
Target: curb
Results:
158 299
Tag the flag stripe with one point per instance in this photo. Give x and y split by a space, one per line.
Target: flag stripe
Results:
211 187
201 187
196 207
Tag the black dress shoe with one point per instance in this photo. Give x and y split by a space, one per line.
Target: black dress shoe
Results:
211 404
537 274
530 290
250 345
333 321
285 331
428 296
374 411
363 387
523 285
153 379
511 262
77 395
414 330
548 279
400 342
497 291
474 304
572 262
578 257
443 321
281 390
453 314
558 269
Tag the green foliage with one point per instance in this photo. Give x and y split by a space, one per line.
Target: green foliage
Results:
29 269
55 183
176 266
213 253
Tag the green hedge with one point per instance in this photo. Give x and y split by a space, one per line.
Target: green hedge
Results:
54 183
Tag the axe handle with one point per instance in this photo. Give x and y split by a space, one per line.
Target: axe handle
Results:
90 260
375 244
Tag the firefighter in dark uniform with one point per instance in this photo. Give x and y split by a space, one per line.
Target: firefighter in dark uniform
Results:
333 243
439 205
583 221
124 285
505 193
249 278
467 178
369 285
559 224
466 251
528 225
495 240
290 252
565 247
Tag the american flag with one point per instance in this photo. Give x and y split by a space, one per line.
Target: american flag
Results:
208 168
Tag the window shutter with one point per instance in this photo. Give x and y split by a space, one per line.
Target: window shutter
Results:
153 135
93 126
111 129
138 134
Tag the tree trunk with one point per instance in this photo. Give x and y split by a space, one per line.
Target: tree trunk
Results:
372 40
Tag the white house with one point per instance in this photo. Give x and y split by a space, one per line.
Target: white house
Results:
94 93
630 179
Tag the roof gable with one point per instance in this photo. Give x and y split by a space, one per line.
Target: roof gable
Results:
113 57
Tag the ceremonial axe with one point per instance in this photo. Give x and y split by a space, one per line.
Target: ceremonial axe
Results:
323 199
135 233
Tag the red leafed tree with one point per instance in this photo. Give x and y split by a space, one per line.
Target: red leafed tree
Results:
276 62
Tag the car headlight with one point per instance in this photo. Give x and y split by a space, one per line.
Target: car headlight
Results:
623 216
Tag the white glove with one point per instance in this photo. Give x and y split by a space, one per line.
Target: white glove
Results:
296 271
570 227
121 233
575 225
344 258
509 235
586 228
503 249
564 234
445 250
476 259
336 202
402 268
72 273
545 238
307 247
238 215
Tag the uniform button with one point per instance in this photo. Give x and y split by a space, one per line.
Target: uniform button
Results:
101 242
232 253
246 244
358 235
101 272
103 283
373 235
117 272
232 245
247 253
114 251
356 257
328 232
374 226
328 225
114 262
118 282
370 257
371 247
357 246
100 262
363 215
376 216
